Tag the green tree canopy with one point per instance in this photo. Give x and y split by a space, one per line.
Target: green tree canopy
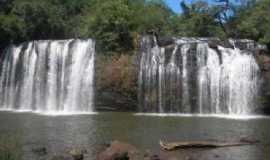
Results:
116 24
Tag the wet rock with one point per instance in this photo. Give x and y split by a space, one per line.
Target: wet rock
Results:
102 147
72 154
263 60
77 154
165 41
213 45
151 156
122 156
249 140
189 158
244 44
40 151
110 100
265 100
61 157
154 157
216 156
119 151
158 156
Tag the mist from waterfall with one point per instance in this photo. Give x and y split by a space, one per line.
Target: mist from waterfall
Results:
191 77
48 76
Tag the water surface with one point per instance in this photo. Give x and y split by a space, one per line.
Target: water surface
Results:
58 133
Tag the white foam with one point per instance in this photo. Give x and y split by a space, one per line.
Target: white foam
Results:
223 116
50 113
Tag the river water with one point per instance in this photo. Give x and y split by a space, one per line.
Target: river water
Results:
58 133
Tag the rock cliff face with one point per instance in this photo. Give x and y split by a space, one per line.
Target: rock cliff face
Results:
263 59
116 83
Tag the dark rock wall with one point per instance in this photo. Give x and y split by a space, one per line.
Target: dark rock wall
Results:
263 59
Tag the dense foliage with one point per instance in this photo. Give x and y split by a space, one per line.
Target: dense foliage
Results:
116 24
121 71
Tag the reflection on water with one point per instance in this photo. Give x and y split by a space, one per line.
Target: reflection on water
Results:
57 133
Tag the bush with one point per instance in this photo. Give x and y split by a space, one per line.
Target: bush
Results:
116 73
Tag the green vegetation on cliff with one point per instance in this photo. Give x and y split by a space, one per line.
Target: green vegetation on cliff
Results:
116 24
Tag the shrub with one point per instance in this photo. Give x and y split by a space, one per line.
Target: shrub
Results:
116 73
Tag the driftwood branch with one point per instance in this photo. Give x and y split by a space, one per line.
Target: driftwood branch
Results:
202 144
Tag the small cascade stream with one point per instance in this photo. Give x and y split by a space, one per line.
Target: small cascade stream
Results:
191 77
48 76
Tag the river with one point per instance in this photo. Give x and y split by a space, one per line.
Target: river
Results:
58 133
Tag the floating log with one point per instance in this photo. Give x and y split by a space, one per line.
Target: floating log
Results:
201 144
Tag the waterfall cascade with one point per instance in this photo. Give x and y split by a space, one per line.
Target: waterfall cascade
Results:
191 77
48 76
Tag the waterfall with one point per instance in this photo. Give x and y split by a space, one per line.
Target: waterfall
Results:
190 77
48 76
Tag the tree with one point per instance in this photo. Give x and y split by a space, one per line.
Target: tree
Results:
254 23
116 24
197 21
109 24
42 18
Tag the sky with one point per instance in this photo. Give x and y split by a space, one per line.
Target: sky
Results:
175 4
